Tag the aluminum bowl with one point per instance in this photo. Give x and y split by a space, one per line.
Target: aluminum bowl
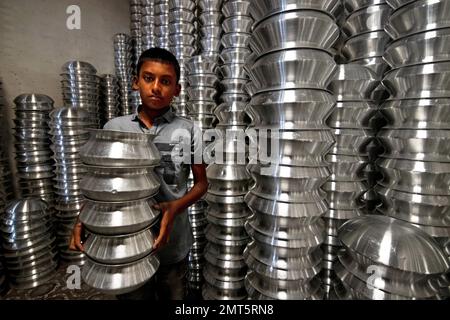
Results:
369 19
286 31
115 148
418 16
288 69
201 93
119 184
201 106
282 289
410 207
415 176
119 279
232 71
202 80
119 249
234 55
353 82
352 115
422 145
235 40
393 244
290 109
366 45
351 142
231 113
118 218
265 8
376 64
241 24
210 292
417 113
347 168
300 211
209 5
426 47
429 80
236 8
228 180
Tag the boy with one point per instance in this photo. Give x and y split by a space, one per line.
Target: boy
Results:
158 73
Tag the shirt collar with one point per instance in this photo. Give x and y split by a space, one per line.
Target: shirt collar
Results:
166 116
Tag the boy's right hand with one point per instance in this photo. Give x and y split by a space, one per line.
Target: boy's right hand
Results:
75 241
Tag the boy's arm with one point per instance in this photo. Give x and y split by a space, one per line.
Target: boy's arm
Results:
173 208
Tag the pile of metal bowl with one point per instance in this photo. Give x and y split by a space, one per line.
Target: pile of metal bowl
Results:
227 213
109 98
416 162
348 185
28 243
290 75
182 43
124 71
118 213
81 88
364 26
32 142
237 27
161 18
69 131
210 26
387 259
136 11
148 24
202 90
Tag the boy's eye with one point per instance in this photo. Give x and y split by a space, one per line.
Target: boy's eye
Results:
165 81
147 78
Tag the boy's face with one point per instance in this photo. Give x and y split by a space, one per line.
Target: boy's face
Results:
157 84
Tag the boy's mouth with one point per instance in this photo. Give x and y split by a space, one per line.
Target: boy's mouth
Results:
155 98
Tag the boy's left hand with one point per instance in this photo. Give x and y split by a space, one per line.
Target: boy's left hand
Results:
168 210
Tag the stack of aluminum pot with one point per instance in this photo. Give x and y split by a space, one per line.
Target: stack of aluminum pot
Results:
290 76
182 44
148 24
202 91
228 178
352 86
136 12
81 88
364 26
161 16
118 212
109 98
124 71
388 259
28 243
68 128
210 26
416 162
33 154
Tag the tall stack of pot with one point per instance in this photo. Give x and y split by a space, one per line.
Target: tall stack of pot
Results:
228 178
290 76
182 43
161 16
124 71
364 26
68 128
148 24
81 88
416 162
352 87
210 26
109 98
202 91
28 242
32 142
136 11
388 259
118 212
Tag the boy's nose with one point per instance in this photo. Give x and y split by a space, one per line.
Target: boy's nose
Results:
156 86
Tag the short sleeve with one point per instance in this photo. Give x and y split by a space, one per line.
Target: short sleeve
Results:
196 145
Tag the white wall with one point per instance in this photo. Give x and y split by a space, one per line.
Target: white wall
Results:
35 43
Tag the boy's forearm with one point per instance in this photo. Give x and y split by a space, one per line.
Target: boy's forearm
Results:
191 197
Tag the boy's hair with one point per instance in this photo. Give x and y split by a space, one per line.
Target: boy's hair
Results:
160 55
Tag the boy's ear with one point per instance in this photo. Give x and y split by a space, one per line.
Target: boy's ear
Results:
135 83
